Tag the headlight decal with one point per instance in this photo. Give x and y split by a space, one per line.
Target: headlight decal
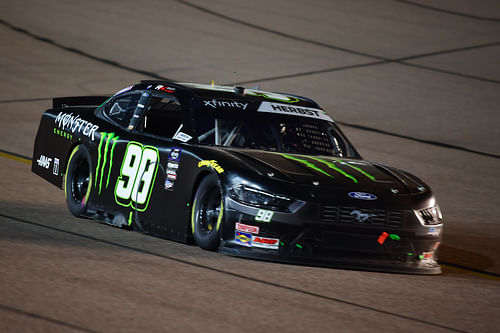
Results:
259 198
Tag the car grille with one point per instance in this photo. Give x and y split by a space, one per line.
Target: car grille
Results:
354 215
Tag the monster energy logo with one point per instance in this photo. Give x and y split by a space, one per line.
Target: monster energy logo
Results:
107 140
333 164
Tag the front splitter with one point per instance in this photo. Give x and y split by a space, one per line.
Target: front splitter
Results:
390 266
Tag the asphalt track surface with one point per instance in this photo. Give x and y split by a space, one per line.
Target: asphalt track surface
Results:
415 84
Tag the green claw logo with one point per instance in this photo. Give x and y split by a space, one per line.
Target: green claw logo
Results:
334 164
106 145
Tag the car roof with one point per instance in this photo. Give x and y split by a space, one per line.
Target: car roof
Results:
212 91
213 100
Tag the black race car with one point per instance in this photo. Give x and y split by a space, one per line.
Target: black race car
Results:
246 172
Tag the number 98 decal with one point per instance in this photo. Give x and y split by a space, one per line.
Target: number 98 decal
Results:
137 176
264 215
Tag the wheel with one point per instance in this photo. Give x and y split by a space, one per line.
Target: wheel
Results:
78 181
206 214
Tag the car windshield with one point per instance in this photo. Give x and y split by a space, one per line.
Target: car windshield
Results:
281 134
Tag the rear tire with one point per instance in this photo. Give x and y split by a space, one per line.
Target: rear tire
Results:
207 212
78 181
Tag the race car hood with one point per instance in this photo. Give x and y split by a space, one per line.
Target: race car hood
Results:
333 173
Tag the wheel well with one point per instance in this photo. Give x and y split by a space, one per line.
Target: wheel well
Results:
64 165
196 183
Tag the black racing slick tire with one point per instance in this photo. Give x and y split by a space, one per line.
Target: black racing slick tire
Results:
206 214
78 181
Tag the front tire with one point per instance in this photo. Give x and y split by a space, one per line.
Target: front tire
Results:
78 181
207 213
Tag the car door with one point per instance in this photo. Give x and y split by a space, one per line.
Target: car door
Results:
126 167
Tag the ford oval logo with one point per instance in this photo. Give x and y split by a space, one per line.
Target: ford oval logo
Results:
362 196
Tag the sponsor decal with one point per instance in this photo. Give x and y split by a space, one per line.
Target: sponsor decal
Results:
293 110
181 136
264 215
360 216
212 164
137 176
169 185
243 238
55 169
175 154
163 88
44 161
172 168
75 124
265 243
63 134
171 174
105 152
171 165
362 196
214 103
246 228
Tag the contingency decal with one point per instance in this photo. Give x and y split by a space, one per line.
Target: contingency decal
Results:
175 154
211 163
249 240
137 176
104 152
246 228
293 110
243 238
55 169
265 243
174 158
67 121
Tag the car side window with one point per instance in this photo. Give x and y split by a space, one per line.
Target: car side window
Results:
121 109
162 117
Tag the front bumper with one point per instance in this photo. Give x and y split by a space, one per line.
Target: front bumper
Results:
407 248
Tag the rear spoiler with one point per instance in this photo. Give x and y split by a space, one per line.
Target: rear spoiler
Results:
63 102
